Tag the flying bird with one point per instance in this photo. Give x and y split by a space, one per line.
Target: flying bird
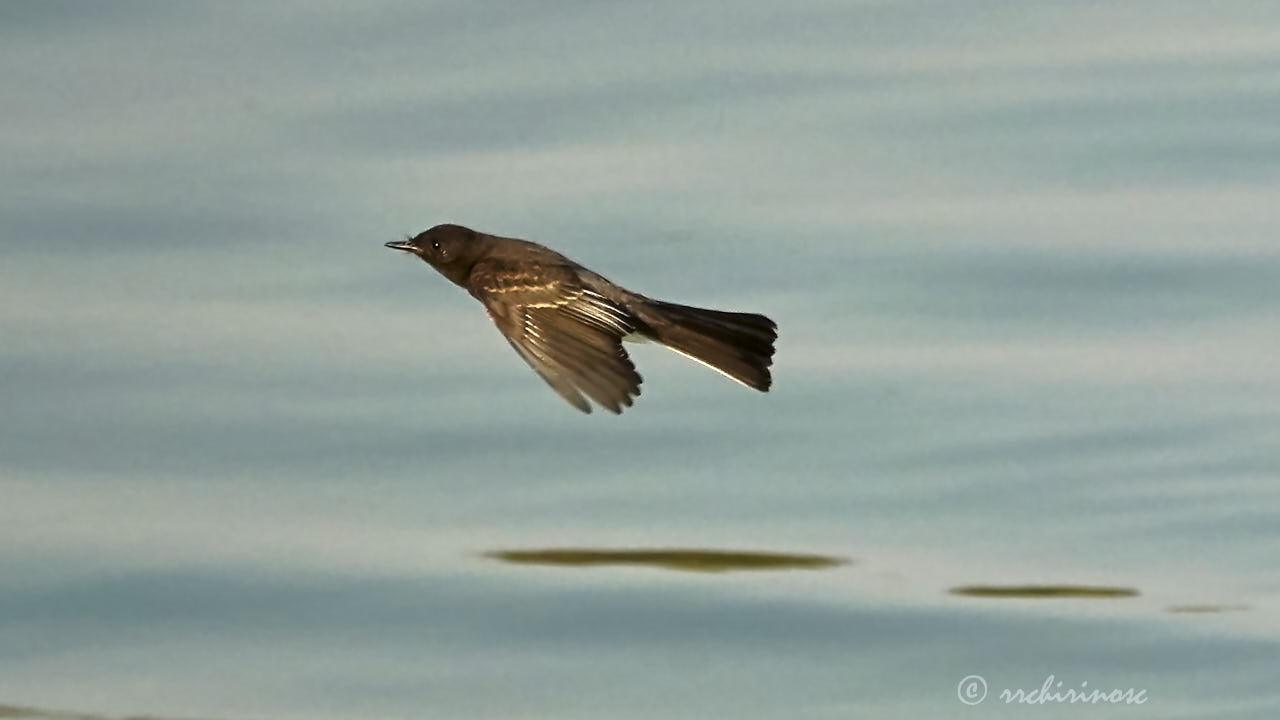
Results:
568 323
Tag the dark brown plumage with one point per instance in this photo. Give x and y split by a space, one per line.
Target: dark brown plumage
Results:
568 323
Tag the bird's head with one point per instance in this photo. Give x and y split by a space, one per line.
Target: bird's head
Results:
451 249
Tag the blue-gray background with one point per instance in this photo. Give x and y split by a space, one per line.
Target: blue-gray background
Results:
1024 261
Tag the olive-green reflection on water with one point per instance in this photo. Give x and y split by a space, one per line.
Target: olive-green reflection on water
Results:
670 559
1043 591
1206 608
33 713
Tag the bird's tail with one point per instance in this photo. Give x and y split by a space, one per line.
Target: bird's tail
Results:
737 345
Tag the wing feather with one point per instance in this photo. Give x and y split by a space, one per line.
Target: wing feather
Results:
570 336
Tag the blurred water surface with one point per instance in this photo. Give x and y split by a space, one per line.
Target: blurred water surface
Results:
1024 263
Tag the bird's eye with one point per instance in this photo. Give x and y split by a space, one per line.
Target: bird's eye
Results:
435 244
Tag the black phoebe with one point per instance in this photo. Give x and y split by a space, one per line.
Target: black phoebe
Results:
568 323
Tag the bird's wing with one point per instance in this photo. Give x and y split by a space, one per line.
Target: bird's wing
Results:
569 335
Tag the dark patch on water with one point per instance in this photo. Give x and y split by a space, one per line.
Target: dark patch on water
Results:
18 711
1207 608
669 559
1043 591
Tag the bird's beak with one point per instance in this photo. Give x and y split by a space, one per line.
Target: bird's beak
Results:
404 245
